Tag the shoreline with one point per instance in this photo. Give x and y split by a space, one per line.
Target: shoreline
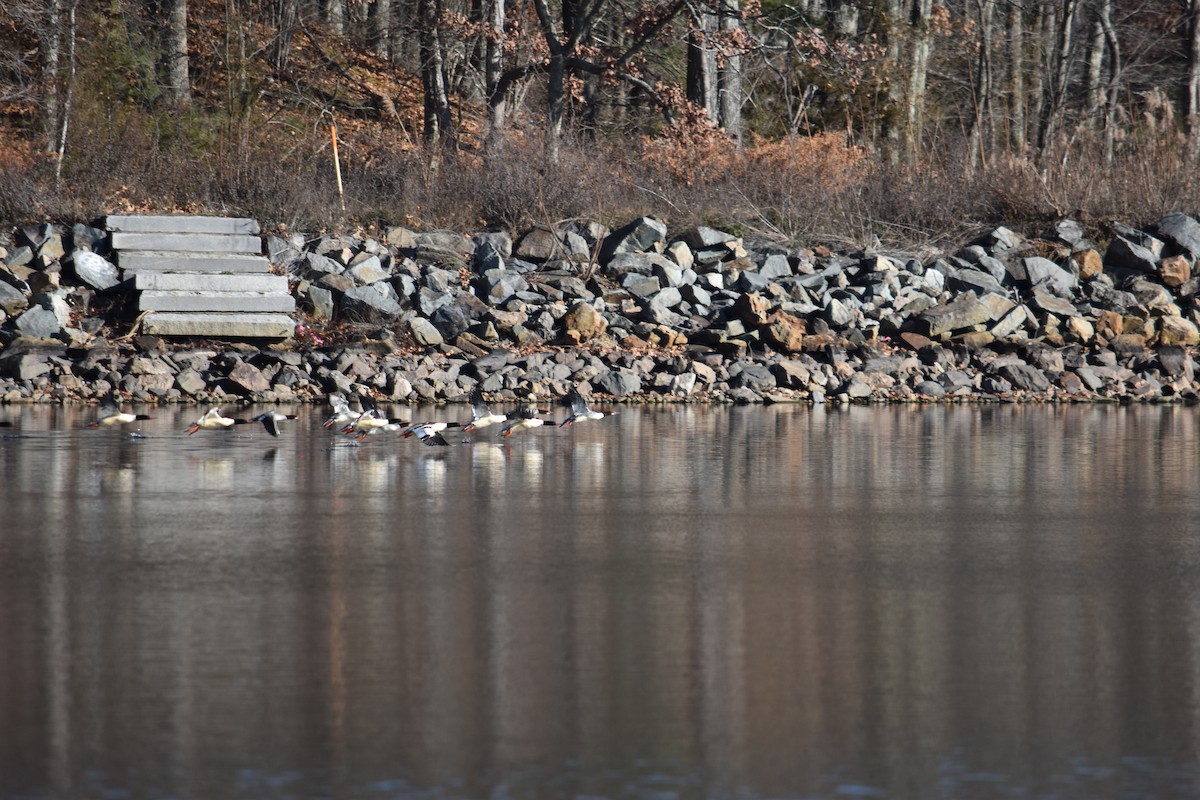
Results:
637 315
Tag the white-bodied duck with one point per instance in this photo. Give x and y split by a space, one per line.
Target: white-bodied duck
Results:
580 410
527 418
213 421
423 429
111 415
271 419
344 412
481 414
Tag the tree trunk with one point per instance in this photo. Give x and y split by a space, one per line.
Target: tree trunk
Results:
50 47
286 16
555 85
1062 50
380 17
492 70
918 74
1016 74
176 77
702 63
433 76
1192 97
333 12
68 95
981 89
729 75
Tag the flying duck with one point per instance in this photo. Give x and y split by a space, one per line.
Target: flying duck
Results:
580 410
271 419
527 419
481 415
111 415
213 421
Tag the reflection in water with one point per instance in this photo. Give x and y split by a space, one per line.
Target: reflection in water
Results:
903 602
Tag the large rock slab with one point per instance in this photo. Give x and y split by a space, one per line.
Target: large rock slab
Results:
187 242
216 301
158 261
181 224
184 282
219 326
964 312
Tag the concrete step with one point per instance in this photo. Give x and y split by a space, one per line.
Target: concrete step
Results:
219 326
157 261
208 282
191 242
181 224
225 302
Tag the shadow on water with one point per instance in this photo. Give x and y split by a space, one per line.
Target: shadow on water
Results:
911 602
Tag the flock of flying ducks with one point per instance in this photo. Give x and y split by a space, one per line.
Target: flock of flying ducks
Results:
361 418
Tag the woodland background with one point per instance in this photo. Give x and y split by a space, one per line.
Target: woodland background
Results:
906 122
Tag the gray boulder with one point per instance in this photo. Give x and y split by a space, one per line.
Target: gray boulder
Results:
619 382
94 270
1045 273
637 236
375 302
1182 231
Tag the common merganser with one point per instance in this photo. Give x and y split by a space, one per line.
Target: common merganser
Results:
580 410
371 421
111 415
343 411
213 421
481 415
423 429
431 437
271 419
527 419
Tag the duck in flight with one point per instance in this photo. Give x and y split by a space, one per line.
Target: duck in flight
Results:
580 410
423 429
344 412
111 415
527 418
430 437
213 421
270 421
481 414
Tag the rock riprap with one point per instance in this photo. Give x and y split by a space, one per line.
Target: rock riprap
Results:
638 312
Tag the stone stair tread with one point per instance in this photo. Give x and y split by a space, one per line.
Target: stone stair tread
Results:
191 242
182 223
209 282
139 261
234 325
201 301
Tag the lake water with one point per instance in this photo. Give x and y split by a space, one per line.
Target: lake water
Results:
910 602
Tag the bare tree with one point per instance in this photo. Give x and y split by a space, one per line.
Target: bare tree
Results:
1192 94
174 60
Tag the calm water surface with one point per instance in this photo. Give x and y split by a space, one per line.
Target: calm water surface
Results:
694 603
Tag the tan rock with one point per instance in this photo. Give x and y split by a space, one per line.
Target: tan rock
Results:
784 332
585 322
1175 270
1088 262
1177 330
1079 329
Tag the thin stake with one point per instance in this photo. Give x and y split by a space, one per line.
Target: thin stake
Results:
337 165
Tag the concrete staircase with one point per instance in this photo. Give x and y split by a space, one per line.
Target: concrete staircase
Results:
201 276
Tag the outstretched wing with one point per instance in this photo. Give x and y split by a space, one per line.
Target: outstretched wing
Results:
479 406
579 406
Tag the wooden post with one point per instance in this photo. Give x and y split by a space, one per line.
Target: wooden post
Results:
337 165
